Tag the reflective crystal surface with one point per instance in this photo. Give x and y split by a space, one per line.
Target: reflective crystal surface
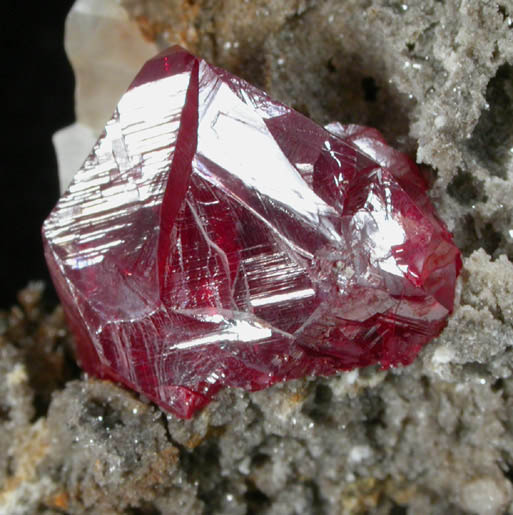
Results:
215 237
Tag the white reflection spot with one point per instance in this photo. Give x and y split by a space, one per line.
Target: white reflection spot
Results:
237 331
384 232
283 297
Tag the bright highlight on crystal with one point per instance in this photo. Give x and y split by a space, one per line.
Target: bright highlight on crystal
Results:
215 237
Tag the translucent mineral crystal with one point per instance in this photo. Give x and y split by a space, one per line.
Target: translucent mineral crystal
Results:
106 49
215 237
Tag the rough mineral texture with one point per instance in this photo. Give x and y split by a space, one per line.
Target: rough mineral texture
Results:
436 437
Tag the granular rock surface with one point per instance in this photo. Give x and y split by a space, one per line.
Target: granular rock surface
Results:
436 437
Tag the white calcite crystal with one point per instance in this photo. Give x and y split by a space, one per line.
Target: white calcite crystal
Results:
72 144
106 49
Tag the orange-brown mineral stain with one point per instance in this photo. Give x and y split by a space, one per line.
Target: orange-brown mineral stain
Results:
182 32
60 500
149 29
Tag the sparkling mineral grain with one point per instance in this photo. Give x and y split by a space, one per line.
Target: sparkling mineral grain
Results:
215 237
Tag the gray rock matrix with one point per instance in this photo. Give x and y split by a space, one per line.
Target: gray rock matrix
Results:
436 77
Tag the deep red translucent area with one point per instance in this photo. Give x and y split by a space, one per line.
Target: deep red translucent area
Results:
215 237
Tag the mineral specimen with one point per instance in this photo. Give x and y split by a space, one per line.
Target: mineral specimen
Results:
215 237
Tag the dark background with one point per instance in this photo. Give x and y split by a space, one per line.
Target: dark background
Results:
37 99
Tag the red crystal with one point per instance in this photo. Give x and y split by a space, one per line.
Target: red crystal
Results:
215 237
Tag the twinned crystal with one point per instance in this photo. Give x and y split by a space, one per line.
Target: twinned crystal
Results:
215 237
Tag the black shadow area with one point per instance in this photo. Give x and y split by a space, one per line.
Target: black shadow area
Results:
36 87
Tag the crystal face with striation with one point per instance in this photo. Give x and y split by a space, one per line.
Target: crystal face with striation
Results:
215 237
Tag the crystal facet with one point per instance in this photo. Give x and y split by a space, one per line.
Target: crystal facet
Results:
215 237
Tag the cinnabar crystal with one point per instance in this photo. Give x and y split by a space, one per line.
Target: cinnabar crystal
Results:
215 237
